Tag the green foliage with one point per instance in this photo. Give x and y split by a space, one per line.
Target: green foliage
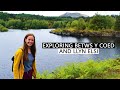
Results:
117 23
81 24
2 22
101 22
110 22
4 16
14 24
28 21
74 24
59 24
3 29
101 69
68 25
36 24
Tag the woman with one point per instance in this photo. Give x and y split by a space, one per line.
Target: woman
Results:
24 60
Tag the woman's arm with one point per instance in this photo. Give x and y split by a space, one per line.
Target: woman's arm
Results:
17 58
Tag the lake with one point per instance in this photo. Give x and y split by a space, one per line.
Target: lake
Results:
49 59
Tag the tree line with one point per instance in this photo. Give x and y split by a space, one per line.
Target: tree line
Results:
28 21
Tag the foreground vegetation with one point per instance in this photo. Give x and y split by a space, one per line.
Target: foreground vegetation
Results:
100 69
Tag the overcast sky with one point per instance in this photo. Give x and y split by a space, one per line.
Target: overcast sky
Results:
58 13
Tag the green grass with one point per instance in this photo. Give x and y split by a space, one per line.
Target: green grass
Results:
91 69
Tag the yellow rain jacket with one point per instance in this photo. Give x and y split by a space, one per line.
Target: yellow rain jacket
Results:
18 67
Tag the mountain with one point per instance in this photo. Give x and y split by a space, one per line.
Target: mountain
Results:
73 15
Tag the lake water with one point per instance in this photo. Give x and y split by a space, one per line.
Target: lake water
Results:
48 59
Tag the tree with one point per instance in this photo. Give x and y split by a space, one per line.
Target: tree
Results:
3 29
14 24
81 24
101 22
117 23
74 24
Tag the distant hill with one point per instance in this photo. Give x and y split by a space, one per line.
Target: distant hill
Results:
73 15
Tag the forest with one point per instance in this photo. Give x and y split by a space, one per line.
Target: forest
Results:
28 21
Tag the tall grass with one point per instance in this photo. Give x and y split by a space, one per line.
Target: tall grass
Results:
91 69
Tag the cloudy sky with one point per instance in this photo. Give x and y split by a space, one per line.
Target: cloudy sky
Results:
58 13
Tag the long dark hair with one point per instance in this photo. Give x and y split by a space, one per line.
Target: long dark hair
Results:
25 48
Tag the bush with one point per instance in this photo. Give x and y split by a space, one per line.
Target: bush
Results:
3 29
100 69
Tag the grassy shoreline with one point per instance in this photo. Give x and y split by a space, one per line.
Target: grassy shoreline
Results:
91 69
74 32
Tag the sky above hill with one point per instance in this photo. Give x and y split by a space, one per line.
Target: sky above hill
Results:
58 13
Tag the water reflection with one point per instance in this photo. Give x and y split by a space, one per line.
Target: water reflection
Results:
49 59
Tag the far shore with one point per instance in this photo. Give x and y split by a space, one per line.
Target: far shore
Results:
79 33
